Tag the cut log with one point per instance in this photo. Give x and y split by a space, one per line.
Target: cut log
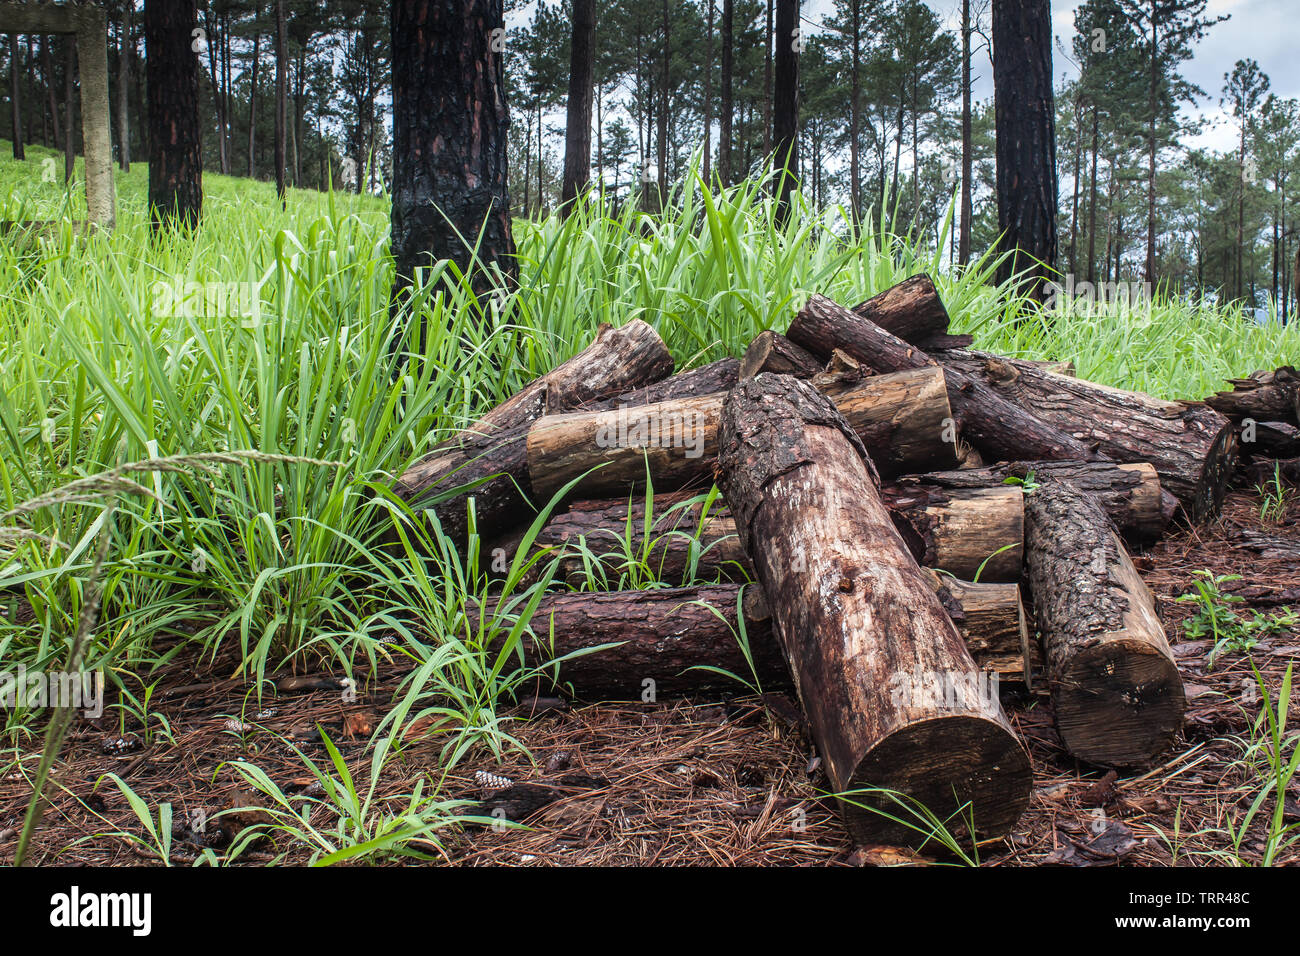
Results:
1000 429
1115 687
676 637
1193 448
911 310
715 377
1264 396
892 696
900 417
773 352
630 356
956 531
1129 493
1269 439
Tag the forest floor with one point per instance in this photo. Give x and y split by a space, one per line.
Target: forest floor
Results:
706 781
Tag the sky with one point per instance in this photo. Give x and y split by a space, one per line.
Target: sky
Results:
1265 30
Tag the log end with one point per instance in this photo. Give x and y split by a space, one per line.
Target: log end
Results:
1119 704
959 767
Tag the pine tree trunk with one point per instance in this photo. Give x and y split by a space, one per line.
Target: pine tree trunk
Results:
15 100
47 71
172 80
577 140
1026 138
449 162
726 107
252 103
785 103
125 51
967 158
281 95
70 100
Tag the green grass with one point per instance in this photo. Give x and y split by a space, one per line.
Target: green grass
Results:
123 348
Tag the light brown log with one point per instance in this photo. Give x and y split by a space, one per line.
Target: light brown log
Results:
901 418
1129 493
1193 447
1115 687
956 531
773 352
673 637
892 696
1000 429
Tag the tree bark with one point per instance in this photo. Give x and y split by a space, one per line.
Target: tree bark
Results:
449 138
955 531
577 141
494 445
967 156
680 638
15 101
70 101
785 103
1193 448
1264 396
773 352
125 51
998 428
1115 687
900 417
1026 139
727 107
47 70
252 100
172 80
911 310
1130 494
892 696
281 97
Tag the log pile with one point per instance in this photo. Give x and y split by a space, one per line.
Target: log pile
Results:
869 513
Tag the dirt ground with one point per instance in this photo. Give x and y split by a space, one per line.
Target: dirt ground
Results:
706 781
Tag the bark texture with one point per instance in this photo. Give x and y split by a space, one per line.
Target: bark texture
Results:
172 81
1115 687
892 696
1193 448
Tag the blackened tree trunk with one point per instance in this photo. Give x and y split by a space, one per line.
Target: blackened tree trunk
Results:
281 89
785 102
967 159
1026 138
577 133
125 50
175 150
15 100
450 121
47 71
70 100
726 106
252 102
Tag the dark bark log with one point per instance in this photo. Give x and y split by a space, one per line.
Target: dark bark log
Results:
773 352
953 531
910 310
1130 494
449 137
673 637
175 149
1270 439
900 417
577 142
715 377
892 696
1193 448
1264 396
1026 138
995 426
1115 687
